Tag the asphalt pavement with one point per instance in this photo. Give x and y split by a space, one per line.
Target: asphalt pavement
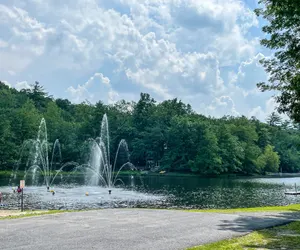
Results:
142 229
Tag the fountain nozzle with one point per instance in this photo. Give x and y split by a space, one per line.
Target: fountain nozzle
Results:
109 191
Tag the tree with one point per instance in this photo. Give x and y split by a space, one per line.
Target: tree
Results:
169 133
54 120
38 95
269 160
283 30
7 147
231 150
208 160
67 107
26 122
246 132
274 120
143 111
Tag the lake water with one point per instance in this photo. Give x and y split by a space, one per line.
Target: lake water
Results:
160 191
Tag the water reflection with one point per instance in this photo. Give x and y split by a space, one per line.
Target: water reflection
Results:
195 192
169 191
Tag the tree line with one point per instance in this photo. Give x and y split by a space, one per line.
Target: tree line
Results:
168 134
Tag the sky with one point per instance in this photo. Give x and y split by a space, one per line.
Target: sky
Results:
205 53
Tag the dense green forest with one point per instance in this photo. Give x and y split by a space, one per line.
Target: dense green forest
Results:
169 133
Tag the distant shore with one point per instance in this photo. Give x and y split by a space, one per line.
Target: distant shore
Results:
8 173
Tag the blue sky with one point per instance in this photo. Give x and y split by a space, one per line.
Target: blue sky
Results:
204 52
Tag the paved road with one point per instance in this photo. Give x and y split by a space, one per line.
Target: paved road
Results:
132 229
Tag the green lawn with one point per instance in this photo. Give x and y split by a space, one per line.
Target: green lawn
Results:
14 214
283 237
288 208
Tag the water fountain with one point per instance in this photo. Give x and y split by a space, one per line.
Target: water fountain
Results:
99 173
38 162
99 170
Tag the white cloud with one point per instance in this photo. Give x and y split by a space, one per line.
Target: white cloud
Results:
98 81
3 44
113 96
270 107
23 38
218 26
11 72
7 83
241 87
22 85
249 72
221 106
198 51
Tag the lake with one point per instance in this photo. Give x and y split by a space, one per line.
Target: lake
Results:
162 191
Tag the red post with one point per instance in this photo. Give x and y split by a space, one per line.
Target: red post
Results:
22 202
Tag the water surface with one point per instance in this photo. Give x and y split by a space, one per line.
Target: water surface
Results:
158 191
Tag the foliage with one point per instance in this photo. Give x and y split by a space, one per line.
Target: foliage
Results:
269 160
167 135
283 36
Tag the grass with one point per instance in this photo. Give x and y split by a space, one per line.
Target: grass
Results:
288 208
282 237
17 215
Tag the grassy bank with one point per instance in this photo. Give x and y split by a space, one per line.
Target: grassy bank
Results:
14 214
282 237
288 208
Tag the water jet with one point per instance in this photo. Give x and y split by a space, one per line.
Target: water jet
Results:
99 170
38 162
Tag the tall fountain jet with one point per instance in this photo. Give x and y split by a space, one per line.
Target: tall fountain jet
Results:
38 162
100 170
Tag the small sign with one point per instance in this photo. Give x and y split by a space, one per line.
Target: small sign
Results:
22 183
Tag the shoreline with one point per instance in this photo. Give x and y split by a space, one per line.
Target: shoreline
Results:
8 173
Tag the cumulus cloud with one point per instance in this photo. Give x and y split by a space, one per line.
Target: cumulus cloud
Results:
217 26
3 44
198 51
249 71
7 83
264 111
22 85
98 81
221 106
26 32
